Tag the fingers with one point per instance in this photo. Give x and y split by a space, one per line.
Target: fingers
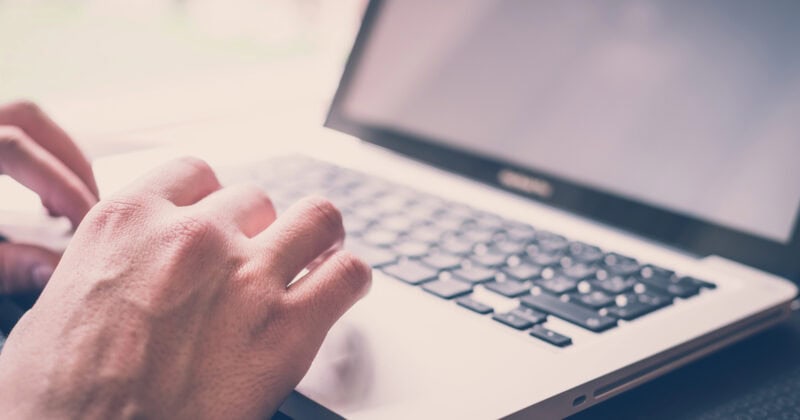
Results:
247 205
184 182
30 118
308 229
329 290
25 268
33 166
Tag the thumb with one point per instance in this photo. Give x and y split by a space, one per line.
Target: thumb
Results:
25 268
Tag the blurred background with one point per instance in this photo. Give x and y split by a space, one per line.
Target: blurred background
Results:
122 75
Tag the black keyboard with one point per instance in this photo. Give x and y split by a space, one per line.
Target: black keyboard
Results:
447 249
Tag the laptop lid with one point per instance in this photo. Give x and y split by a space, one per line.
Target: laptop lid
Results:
677 121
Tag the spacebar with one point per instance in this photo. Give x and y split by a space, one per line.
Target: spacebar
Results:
575 314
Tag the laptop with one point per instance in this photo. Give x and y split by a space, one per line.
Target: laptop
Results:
560 201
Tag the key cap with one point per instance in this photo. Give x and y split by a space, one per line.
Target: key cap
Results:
448 223
545 259
447 288
672 285
579 271
513 320
375 257
474 234
550 242
524 271
380 237
442 261
411 272
456 246
412 249
474 274
354 225
397 223
550 336
620 265
508 247
474 305
488 221
632 305
615 284
508 288
489 259
570 312
520 233
529 314
427 233
558 284
594 299
584 253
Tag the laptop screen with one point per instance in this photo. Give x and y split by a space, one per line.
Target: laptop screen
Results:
693 107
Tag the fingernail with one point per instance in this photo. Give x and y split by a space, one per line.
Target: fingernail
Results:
41 275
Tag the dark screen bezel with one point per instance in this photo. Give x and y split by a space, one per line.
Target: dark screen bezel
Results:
684 232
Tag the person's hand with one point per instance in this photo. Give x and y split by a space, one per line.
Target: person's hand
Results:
41 156
173 300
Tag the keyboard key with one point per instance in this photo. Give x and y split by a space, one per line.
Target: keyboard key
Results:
354 225
380 237
474 305
530 314
550 336
550 242
570 312
524 271
584 253
649 270
448 223
448 288
456 246
489 259
508 288
544 259
508 247
616 284
675 286
398 223
375 257
442 261
412 249
620 265
630 311
579 271
558 284
411 272
427 233
632 305
513 321
520 233
594 299
474 274
476 234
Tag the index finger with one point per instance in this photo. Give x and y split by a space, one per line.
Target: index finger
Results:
44 131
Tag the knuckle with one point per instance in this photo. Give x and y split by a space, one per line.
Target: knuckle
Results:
114 209
190 230
324 214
